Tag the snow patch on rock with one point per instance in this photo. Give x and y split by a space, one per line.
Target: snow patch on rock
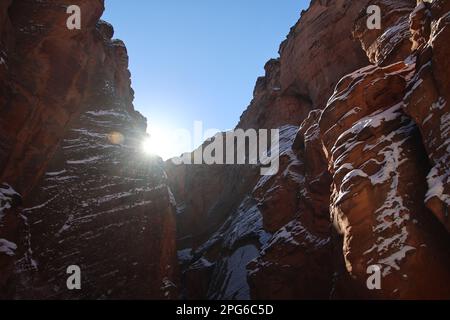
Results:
7 247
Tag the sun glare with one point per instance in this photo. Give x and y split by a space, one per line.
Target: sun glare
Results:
163 142
157 145
168 142
147 146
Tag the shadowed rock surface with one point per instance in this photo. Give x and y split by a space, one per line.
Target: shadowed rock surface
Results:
105 206
93 200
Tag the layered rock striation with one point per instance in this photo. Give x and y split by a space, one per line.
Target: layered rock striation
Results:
362 182
105 206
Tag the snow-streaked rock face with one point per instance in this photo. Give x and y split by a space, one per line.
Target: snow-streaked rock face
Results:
48 76
389 160
68 124
300 80
7 196
295 209
259 245
427 100
379 167
355 187
105 206
220 262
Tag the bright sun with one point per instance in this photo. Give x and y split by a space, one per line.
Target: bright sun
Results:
147 146
156 145
164 142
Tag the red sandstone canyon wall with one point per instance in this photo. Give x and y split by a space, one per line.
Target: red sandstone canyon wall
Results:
363 179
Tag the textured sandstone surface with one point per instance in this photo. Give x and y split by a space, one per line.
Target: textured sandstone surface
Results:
391 43
93 200
382 159
361 182
426 102
319 50
297 260
379 168
105 206
46 74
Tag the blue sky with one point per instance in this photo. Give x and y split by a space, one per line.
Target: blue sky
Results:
199 59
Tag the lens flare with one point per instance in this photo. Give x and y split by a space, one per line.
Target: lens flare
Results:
116 138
